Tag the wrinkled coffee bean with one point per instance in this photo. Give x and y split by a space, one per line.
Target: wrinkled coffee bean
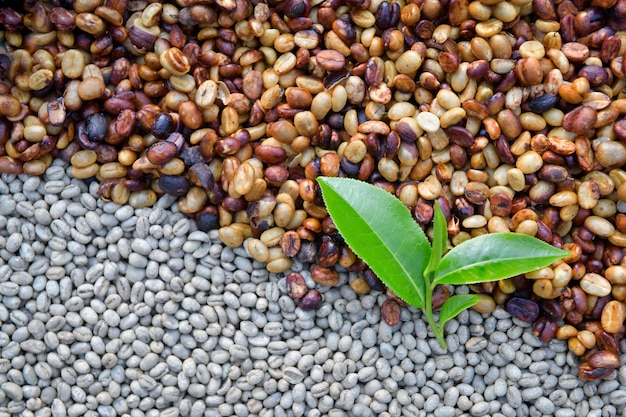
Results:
311 300
296 286
390 311
522 309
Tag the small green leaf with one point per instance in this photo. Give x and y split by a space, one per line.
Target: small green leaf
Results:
454 305
495 256
440 237
382 232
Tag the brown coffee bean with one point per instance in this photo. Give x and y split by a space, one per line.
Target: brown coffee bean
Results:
324 276
589 373
523 309
311 300
296 286
161 152
545 329
330 60
604 359
441 293
290 243
390 310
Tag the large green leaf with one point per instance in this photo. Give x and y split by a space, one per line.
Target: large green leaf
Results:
382 232
454 305
440 237
495 256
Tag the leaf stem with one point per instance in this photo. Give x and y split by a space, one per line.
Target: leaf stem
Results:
428 311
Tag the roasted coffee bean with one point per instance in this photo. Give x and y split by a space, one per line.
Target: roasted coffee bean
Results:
522 309
207 219
96 127
604 359
176 185
543 103
545 329
311 300
589 373
163 126
296 286
390 311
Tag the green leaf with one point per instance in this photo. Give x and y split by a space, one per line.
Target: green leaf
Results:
495 256
440 237
382 232
454 305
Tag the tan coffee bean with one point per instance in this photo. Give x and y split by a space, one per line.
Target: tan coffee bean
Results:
113 170
258 250
613 315
175 61
428 122
230 236
564 198
85 172
72 63
9 106
408 62
529 162
588 194
544 289
576 346
278 265
91 88
616 274
611 154
485 305
566 331
360 286
595 284
84 158
271 237
143 198
599 226
587 338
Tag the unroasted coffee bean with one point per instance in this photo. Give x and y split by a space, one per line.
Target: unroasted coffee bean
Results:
613 315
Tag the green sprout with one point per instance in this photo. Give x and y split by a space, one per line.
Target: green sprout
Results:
382 232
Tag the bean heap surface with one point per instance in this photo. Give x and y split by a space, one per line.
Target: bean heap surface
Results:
508 113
